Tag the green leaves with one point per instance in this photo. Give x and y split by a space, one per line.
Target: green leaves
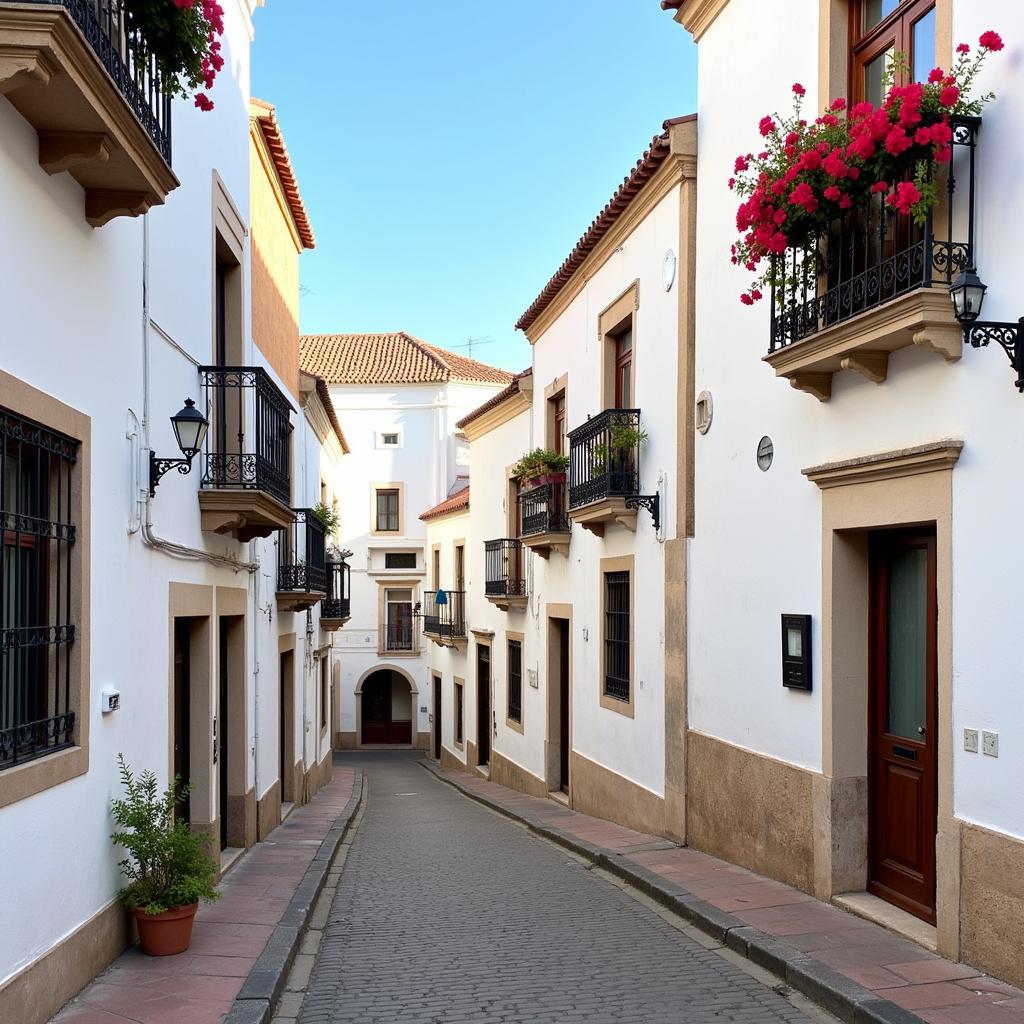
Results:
539 462
166 864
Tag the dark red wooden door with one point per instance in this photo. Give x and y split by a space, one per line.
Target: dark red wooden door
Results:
903 762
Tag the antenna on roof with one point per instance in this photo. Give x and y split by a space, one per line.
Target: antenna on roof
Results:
470 342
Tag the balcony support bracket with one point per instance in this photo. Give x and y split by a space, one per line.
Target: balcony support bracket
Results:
651 502
872 365
60 151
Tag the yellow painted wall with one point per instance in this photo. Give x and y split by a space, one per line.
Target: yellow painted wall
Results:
275 267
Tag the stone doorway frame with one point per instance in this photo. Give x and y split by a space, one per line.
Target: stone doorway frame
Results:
413 697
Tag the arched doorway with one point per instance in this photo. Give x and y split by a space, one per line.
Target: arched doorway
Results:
387 708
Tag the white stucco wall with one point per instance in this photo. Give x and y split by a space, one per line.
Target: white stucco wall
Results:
756 552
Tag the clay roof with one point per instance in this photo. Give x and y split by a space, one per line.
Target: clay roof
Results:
266 115
672 5
631 186
456 503
395 358
497 399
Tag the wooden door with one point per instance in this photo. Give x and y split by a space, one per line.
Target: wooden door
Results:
182 708
483 704
437 718
222 731
902 736
563 702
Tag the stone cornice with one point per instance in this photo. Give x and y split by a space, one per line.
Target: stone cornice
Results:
696 16
937 456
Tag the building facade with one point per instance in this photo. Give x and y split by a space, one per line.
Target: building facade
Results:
399 399
572 678
844 513
153 590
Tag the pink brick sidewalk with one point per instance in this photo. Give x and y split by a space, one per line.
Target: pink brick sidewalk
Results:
936 990
198 987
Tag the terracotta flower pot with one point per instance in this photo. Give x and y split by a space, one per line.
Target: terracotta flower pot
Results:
167 933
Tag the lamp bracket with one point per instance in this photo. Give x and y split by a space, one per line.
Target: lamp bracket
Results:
651 502
1008 335
158 467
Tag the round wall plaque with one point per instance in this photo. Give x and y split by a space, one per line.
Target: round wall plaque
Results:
765 453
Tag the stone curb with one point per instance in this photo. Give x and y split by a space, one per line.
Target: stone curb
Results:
264 982
831 990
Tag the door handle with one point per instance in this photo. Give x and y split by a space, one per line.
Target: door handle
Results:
920 730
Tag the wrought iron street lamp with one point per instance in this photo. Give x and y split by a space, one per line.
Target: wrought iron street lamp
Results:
190 427
968 295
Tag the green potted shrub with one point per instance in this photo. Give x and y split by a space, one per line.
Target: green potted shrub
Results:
623 440
167 866
329 517
541 466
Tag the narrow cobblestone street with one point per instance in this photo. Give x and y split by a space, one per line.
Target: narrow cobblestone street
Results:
447 912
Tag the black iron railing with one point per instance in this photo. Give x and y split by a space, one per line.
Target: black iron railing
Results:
248 444
125 56
503 563
871 256
543 510
398 635
337 603
604 457
445 618
37 628
302 555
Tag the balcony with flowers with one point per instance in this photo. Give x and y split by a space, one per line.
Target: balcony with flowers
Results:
95 78
857 223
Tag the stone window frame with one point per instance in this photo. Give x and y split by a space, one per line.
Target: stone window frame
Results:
391 485
618 316
25 780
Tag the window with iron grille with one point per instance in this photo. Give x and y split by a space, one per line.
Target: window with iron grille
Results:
515 681
387 511
36 627
616 635
323 692
458 713
400 560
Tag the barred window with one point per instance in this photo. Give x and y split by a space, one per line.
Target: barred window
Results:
36 631
515 681
387 511
616 635
458 713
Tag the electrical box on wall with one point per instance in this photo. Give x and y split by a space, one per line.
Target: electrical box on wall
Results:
110 700
796 652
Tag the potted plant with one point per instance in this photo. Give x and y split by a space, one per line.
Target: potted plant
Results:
623 440
541 466
168 868
329 517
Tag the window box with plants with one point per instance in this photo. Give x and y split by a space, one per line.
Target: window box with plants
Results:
167 865
543 522
541 466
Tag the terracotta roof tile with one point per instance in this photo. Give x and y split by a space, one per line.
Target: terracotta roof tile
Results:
497 399
456 503
672 5
395 358
631 186
266 115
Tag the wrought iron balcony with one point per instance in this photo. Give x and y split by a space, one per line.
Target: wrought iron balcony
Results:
504 582
869 259
246 460
398 635
444 619
335 607
301 563
604 469
110 128
545 523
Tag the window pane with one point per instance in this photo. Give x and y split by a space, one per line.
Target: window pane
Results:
922 54
877 10
907 642
625 341
616 635
874 78
399 595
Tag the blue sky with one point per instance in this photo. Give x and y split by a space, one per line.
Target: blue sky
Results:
450 154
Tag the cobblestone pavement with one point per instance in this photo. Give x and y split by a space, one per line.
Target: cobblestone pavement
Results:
447 912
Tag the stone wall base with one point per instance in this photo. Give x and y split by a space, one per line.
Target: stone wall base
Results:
508 773
268 810
596 790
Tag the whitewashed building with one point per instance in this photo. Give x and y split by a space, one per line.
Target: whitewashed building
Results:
399 399
572 679
147 602
854 622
